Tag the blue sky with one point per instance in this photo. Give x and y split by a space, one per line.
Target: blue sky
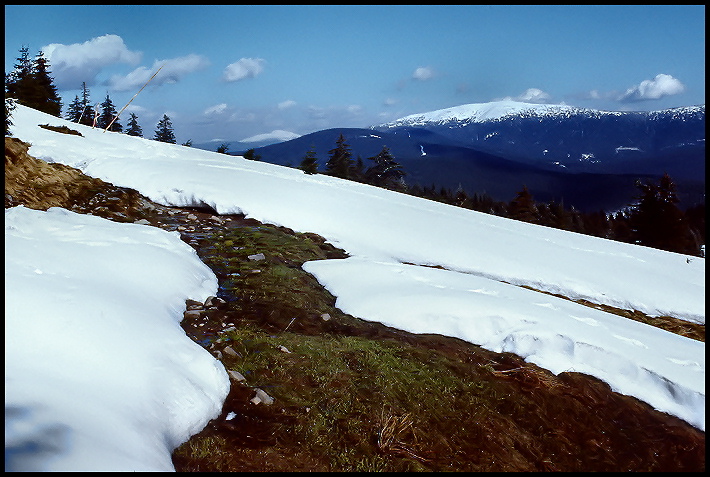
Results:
233 72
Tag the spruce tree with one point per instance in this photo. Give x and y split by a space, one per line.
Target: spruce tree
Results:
251 155
309 164
164 131
340 162
223 148
386 172
48 99
30 84
74 110
656 220
523 207
87 112
9 107
133 128
108 112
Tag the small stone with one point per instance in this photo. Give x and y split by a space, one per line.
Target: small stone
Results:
256 257
192 314
262 397
142 222
191 217
325 316
236 375
215 302
284 349
230 352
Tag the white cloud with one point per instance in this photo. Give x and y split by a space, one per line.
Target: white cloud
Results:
423 73
244 68
172 71
390 101
81 62
216 109
276 135
534 95
656 88
289 103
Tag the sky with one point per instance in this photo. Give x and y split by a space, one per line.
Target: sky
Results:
72 279
234 72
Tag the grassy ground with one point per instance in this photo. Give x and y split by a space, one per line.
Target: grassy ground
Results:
351 395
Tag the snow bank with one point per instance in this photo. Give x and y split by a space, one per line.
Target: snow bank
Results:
98 373
663 369
383 230
381 224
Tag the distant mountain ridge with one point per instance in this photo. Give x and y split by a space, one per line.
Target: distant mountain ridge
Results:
586 158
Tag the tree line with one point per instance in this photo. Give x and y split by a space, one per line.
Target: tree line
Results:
653 219
31 84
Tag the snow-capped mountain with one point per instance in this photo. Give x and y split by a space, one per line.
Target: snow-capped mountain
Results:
479 112
573 139
587 158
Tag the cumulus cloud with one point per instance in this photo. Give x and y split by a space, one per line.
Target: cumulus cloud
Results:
172 71
423 73
656 88
81 62
242 69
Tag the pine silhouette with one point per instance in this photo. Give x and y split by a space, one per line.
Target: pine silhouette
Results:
656 220
108 112
164 131
133 128
31 85
386 172
309 164
340 162
523 207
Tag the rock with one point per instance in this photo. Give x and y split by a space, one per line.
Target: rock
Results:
262 397
229 351
284 349
325 316
192 314
191 217
256 257
215 302
189 302
236 375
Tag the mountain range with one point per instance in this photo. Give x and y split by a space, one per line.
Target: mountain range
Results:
586 158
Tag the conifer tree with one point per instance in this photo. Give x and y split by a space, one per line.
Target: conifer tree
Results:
9 107
75 109
133 128
30 84
48 99
87 113
223 148
656 220
251 155
108 112
340 162
386 172
523 207
164 131
309 164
